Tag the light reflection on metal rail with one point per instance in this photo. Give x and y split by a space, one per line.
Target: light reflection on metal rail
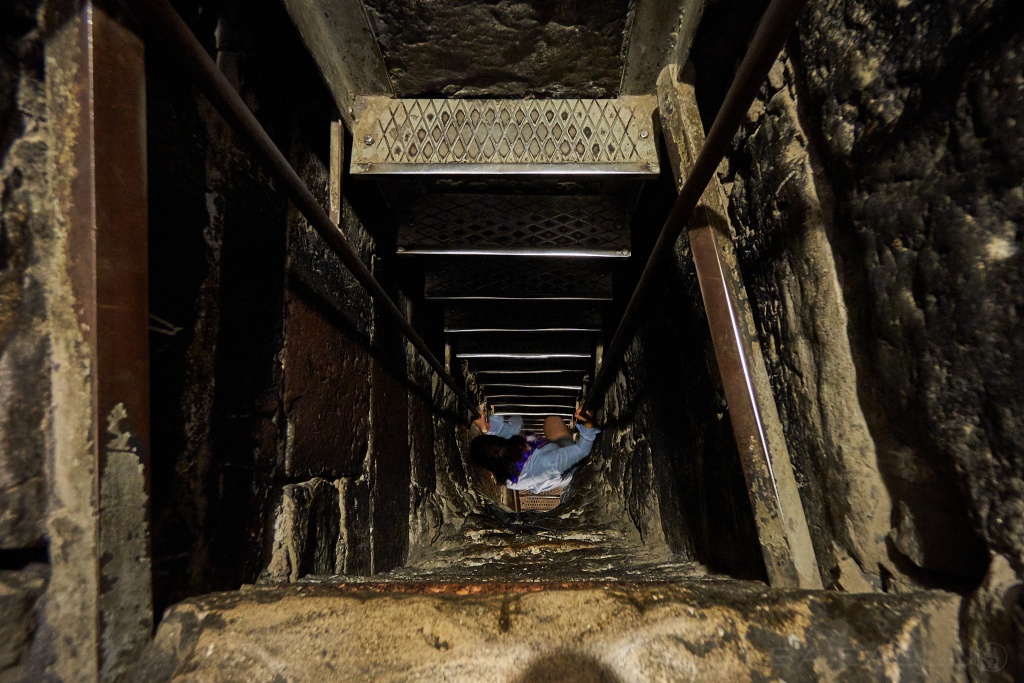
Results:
775 26
466 330
160 19
539 356
526 252
529 372
564 387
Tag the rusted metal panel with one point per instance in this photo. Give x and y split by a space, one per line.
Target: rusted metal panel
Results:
101 598
771 484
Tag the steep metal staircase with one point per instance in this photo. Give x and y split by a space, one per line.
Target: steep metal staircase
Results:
518 213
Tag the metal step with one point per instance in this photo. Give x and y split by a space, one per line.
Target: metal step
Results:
530 380
487 136
496 392
527 398
509 316
528 388
515 225
563 403
483 279
550 343
533 364
501 407
537 376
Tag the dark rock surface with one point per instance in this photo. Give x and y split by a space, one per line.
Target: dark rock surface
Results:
668 456
265 372
880 192
917 107
24 350
19 593
471 48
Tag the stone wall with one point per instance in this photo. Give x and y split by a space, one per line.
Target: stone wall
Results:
669 446
24 385
560 49
877 202
24 338
281 398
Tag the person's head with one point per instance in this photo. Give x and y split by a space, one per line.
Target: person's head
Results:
496 454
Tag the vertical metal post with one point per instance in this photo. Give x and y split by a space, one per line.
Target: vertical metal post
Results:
781 523
101 602
337 171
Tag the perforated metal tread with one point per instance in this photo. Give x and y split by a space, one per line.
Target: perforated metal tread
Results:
485 279
474 224
472 317
532 401
527 380
581 344
459 136
496 389
484 364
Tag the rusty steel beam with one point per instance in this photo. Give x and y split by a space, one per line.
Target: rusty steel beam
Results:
101 598
771 485
771 34
161 21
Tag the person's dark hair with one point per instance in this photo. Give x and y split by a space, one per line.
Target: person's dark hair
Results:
496 454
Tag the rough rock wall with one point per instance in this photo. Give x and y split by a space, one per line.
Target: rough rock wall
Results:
670 448
217 235
280 403
24 357
783 244
502 49
878 207
24 339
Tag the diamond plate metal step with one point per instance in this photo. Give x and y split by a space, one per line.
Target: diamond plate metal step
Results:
485 279
515 225
470 317
460 136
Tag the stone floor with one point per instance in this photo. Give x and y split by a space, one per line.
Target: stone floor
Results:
520 632
540 599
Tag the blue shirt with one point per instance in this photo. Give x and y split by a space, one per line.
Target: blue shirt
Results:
547 468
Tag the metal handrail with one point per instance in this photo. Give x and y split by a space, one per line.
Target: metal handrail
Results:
160 19
775 26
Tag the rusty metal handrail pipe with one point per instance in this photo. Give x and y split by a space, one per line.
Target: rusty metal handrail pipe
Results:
161 20
769 38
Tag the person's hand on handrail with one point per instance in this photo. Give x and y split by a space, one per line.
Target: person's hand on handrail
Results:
585 417
482 422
